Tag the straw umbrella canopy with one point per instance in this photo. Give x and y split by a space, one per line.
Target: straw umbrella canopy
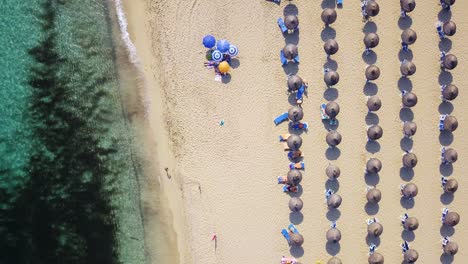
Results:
449 28
451 186
334 201
409 99
374 103
294 82
334 260
295 114
452 219
374 132
294 142
331 78
374 229
372 8
371 40
449 2
373 165
294 177
408 36
333 171
410 160
408 5
295 204
290 51
451 155
332 109
376 258
297 239
411 223
329 16
374 196
409 128
333 235
451 248
291 21
407 68
331 47
372 72
410 190
333 138
450 92
450 61
411 256
450 123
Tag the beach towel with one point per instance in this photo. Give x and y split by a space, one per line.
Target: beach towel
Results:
293 155
299 125
281 24
282 180
281 118
297 166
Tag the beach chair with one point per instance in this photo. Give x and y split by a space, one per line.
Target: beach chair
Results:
290 188
404 246
299 125
282 180
440 32
322 112
441 122
442 156
281 118
296 59
283 27
293 229
328 193
300 93
404 47
403 219
284 137
293 155
297 166
372 248
286 235
283 59
444 214
445 241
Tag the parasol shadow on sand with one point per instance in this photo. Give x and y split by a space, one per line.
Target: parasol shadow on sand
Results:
370 89
406 144
369 57
332 153
372 179
372 118
332 184
296 217
405 22
372 208
445 78
291 68
333 248
406 174
444 15
407 235
446 259
405 84
446 230
373 240
331 94
290 9
333 214
330 64
369 27
447 198
226 78
328 33
446 138
406 203
296 252
372 146
445 108
405 55
445 45
406 114
328 4
446 169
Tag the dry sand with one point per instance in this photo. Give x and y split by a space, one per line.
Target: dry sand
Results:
227 174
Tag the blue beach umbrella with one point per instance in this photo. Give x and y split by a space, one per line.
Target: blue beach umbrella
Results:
233 50
223 45
217 55
209 41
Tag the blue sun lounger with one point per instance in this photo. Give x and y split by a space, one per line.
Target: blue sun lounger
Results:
293 229
441 122
281 118
283 59
300 93
286 235
296 59
294 166
282 26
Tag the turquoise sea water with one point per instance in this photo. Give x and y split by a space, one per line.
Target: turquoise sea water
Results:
68 185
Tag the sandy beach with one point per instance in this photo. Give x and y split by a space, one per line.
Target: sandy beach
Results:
222 179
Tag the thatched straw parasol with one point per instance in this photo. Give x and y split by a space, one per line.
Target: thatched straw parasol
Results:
295 204
373 165
374 103
411 256
450 123
449 28
452 219
409 36
331 47
451 248
411 223
294 142
295 114
333 235
410 190
332 109
374 229
372 8
408 5
409 128
371 40
290 51
296 240
374 132
451 186
291 21
407 68
334 201
376 258
450 92
294 177
450 62
409 99
294 82
329 16
410 160
334 260
372 72
374 196
333 171
331 78
333 138
451 155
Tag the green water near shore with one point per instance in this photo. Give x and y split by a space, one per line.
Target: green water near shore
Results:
68 173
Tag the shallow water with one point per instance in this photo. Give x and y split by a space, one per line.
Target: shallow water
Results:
68 172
